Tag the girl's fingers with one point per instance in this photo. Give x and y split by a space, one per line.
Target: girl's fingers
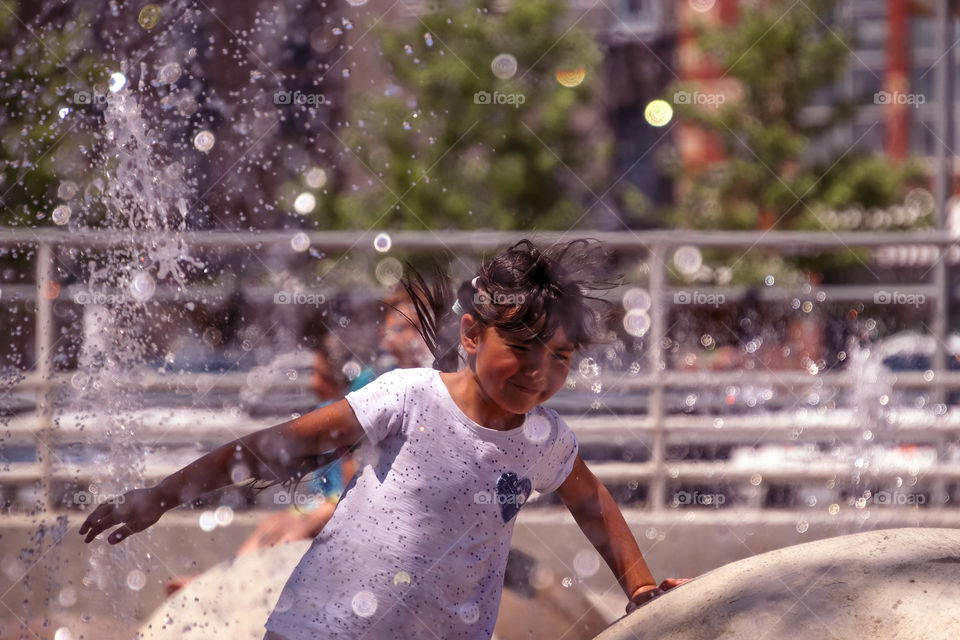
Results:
95 515
97 529
102 524
670 583
120 534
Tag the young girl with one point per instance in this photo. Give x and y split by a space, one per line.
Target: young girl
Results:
418 543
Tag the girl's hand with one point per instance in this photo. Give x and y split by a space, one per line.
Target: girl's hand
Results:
136 510
648 592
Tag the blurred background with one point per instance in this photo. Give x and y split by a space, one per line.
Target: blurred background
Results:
198 197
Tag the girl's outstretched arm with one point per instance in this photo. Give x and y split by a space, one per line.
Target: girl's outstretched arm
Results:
265 454
601 521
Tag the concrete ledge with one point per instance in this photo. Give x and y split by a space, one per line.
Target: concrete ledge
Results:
890 583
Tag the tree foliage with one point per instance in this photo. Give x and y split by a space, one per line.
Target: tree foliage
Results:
438 151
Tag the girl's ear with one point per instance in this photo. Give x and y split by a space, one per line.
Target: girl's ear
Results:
470 332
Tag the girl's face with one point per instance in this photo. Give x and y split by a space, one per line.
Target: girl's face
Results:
518 374
400 338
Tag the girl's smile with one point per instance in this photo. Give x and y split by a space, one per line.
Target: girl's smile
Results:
507 376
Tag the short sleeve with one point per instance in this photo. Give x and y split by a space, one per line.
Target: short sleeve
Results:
378 405
559 459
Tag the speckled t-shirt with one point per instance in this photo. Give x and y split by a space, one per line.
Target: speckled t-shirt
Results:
417 546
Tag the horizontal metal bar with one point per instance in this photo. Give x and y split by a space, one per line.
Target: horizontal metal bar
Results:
481 240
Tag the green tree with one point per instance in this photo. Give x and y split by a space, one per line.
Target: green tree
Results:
41 144
458 162
779 171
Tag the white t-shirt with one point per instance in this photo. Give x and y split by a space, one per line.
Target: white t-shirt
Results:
421 533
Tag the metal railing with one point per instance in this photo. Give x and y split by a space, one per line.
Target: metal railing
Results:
654 427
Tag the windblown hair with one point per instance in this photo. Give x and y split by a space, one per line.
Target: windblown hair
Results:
524 291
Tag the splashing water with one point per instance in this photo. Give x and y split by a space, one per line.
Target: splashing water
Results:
147 201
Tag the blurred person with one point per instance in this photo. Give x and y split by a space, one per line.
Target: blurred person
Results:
400 334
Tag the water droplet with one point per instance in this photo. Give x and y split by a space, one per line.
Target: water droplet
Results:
407 49
636 298
150 16
67 190
364 604
504 66
64 112
223 515
469 613
203 141
300 242
571 77
142 286
239 473
586 562
345 73
67 597
316 178
351 370
63 633
406 125
428 39
688 259
402 578
169 73
61 215
536 429
658 113
636 322
208 522
382 242
802 526
702 6
356 3
388 271
305 203
117 82
136 580
769 281
756 479
589 368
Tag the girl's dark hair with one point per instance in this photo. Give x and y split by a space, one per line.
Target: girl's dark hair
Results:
292 474
525 291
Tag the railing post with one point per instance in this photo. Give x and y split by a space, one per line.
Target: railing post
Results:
944 190
43 342
656 410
